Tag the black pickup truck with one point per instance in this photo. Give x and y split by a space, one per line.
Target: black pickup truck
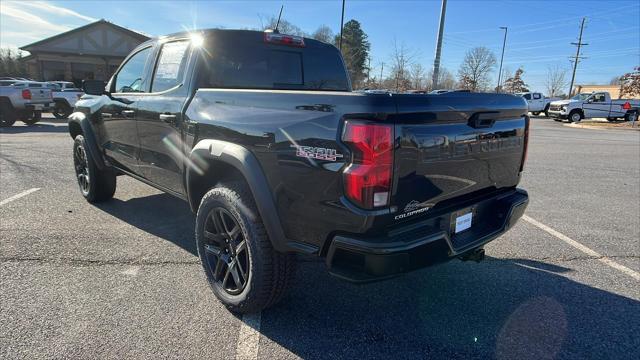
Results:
261 134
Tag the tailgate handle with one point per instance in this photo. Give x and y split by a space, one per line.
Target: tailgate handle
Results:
483 119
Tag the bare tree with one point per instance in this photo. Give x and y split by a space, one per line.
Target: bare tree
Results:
446 80
555 80
475 69
418 76
401 59
284 27
506 73
324 34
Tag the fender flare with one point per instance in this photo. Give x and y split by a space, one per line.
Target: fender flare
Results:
248 165
62 100
89 138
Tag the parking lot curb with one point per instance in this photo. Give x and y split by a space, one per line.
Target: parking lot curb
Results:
581 126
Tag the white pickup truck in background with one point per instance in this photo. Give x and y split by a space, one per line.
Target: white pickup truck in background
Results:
23 100
537 102
65 95
595 105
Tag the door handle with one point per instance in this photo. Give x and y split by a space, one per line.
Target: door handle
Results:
128 113
168 118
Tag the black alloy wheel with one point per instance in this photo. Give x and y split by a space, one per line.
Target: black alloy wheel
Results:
226 252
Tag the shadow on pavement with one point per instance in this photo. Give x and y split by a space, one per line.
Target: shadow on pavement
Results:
501 308
36 128
161 215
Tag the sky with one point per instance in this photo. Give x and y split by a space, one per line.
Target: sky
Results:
539 35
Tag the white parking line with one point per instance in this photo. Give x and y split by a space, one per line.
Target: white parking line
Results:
249 337
18 196
584 249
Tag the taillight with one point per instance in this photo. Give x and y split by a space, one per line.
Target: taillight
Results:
526 142
26 94
281 39
367 180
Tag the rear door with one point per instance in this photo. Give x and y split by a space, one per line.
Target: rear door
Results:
160 119
118 114
537 102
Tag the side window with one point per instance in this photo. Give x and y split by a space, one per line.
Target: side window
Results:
536 96
599 98
171 65
527 96
131 75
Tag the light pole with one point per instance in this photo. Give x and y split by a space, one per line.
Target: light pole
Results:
341 24
436 60
504 42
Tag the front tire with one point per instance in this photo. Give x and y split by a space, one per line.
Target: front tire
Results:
546 111
535 113
95 185
575 116
243 269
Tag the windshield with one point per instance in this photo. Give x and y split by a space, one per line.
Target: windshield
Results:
581 97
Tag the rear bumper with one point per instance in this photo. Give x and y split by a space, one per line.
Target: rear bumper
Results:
38 106
430 242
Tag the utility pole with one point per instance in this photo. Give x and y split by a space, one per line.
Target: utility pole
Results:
577 58
341 24
436 61
504 43
381 70
369 70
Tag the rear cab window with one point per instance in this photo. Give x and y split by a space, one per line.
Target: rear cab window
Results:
172 61
242 60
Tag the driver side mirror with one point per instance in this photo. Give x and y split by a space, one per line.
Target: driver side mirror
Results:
93 87
589 101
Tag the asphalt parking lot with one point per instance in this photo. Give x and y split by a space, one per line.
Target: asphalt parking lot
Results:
122 279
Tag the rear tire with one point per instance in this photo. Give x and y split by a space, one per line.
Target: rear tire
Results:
631 116
8 114
230 235
62 110
95 185
34 118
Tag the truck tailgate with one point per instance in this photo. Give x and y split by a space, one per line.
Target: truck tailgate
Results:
452 145
40 95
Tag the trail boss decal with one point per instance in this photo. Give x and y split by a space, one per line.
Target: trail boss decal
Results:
319 153
413 207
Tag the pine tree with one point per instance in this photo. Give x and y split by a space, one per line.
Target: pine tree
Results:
515 84
355 51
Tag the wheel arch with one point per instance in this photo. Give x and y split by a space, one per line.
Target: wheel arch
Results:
214 161
79 125
63 101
